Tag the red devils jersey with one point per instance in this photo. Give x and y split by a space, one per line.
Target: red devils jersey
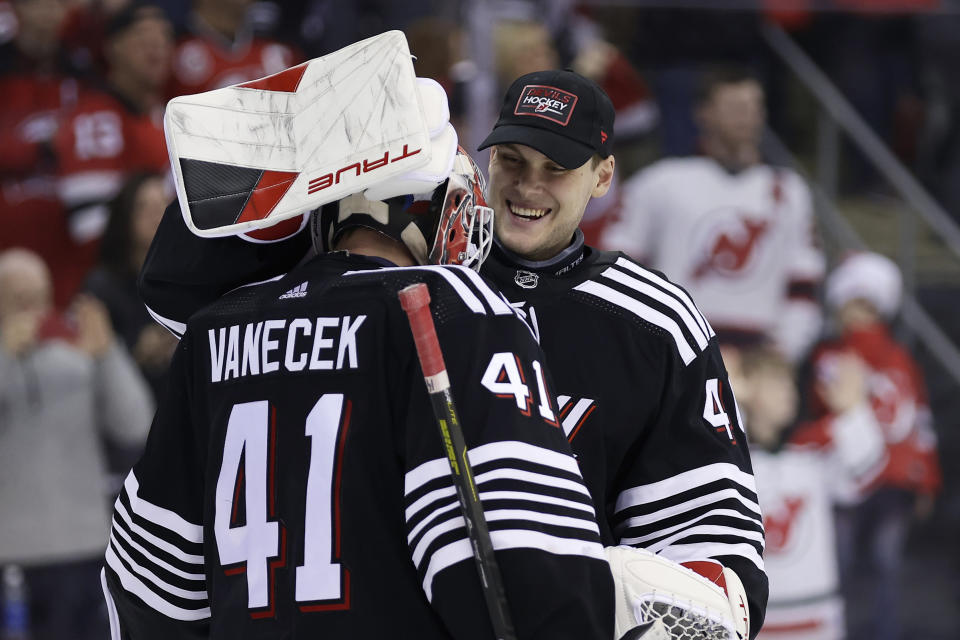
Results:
799 484
800 554
295 484
898 397
32 106
204 61
103 141
741 243
31 215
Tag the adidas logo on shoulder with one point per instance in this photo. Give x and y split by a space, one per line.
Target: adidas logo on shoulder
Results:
299 291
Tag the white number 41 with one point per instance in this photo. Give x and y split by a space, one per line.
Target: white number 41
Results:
714 411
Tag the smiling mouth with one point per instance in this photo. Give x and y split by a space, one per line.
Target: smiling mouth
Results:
527 213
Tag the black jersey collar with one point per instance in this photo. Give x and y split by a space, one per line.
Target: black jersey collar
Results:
557 265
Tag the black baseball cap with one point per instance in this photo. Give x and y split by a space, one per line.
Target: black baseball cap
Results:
561 114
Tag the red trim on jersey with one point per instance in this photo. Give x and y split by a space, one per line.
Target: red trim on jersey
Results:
728 428
334 606
271 484
287 80
270 188
523 379
236 496
549 400
345 425
280 561
576 430
344 602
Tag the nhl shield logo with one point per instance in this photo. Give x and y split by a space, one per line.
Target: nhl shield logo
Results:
526 279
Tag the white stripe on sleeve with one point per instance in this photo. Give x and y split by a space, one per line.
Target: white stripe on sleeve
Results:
649 290
642 311
159 515
132 584
684 482
672 288
508 539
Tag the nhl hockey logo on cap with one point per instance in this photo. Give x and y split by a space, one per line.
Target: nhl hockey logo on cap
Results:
546 102
559 113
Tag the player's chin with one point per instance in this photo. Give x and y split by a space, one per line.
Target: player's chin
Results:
521 241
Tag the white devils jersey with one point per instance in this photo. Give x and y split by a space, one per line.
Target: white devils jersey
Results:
800 554
741 244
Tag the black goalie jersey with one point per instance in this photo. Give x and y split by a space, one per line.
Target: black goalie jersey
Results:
644 400
294 484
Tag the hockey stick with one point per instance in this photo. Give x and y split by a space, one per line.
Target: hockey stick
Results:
415 301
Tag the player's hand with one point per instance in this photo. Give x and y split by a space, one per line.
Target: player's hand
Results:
846 387
18 332
94 332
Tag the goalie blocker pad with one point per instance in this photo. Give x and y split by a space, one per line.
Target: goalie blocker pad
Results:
443 143
252 155
674 599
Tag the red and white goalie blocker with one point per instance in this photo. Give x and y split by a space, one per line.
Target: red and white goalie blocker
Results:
697 600
254 159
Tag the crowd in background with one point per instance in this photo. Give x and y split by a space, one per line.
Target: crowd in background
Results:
84 180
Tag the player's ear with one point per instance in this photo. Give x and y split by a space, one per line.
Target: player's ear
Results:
604 176
493 154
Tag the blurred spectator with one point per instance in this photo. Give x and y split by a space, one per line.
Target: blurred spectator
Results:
62 387
801 470
219 49
134 216
36 83
733 230
38 87
673 43
117 130
864 292
439 49
83 34
521 47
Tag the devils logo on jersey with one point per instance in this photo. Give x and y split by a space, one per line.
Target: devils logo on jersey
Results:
779 524
731 246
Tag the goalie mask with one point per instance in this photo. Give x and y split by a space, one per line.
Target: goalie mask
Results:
450 225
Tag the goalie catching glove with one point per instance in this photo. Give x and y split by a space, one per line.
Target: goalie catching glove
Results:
690 601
